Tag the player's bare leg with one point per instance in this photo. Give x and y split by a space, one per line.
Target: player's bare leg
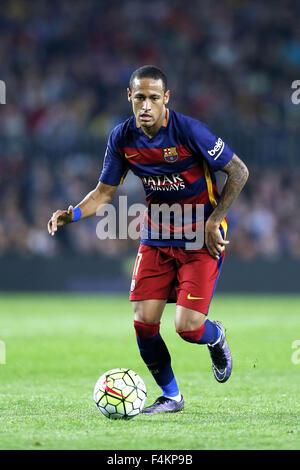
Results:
187 319
194 327
149 311
156 356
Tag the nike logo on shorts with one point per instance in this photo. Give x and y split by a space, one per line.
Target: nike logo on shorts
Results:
189 297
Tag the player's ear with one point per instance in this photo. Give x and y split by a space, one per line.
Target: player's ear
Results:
166 97
129 95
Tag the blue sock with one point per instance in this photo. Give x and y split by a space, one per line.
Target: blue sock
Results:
211 333
156 356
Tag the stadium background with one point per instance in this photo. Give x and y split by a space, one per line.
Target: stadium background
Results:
66 67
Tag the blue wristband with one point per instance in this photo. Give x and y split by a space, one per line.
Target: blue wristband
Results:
76 214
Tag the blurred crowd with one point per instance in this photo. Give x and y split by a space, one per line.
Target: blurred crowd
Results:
264 221
66 65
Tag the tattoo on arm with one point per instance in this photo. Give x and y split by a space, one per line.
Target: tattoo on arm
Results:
237 176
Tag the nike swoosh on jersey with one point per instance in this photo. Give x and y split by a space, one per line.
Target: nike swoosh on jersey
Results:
194 298
130 156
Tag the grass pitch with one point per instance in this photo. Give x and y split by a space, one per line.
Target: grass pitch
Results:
58 345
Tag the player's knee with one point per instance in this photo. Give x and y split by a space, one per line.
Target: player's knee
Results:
191 336
146 330
187 319
148 311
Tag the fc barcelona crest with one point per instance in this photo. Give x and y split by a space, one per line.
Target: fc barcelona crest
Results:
170 154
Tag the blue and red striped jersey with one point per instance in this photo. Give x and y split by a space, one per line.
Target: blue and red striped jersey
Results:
176 166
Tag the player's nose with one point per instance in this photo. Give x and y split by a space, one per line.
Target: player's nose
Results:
146 105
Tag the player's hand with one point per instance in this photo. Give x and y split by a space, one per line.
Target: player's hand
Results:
60 218
214 240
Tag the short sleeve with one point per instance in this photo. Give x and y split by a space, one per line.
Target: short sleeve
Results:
215 151
114 165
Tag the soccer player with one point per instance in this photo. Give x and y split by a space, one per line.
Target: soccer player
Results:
175 156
